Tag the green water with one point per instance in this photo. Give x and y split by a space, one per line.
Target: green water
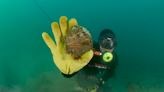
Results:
26 63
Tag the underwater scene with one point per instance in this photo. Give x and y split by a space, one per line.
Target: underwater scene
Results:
35 51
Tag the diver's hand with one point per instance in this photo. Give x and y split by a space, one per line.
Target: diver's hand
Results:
65 62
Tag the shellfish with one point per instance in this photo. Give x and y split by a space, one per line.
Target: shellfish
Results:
78 41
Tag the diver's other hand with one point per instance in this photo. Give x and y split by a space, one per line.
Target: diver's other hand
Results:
65 62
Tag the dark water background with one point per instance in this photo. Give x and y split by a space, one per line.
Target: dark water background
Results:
26 63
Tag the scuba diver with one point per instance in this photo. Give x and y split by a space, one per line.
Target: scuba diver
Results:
93 76
97 61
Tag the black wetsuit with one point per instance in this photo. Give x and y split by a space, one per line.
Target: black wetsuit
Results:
96 76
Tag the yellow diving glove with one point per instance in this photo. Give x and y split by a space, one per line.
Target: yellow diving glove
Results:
65 62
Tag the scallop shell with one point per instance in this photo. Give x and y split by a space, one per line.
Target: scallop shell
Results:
78 41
